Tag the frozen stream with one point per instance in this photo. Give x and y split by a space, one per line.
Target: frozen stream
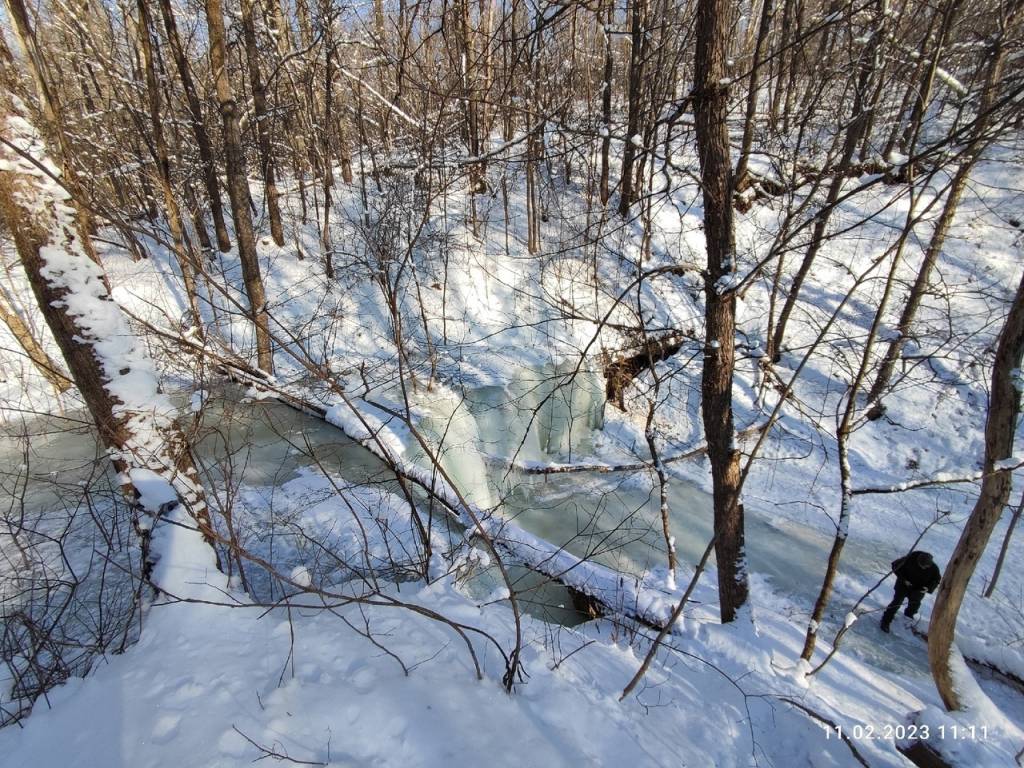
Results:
610 517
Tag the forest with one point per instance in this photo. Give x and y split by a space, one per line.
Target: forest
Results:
544 382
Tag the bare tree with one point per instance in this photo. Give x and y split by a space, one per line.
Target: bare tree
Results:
711 104
33 348
161 156
238 187
262 119
1000 427
208 167
43 224
979 138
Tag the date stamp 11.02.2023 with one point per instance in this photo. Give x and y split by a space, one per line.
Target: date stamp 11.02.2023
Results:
907 732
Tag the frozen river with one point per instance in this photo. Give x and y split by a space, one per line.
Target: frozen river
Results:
610 517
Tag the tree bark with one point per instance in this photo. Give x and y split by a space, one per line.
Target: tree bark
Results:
1000 426
859 117
43 223
209 167
606 104
979 140
633 107
844 433
752 88
50 106
238 188
259 103
711 105
182 251
924 91
46 365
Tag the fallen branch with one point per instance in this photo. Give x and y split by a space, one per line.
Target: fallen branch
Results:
972 478
536 468
831 724
266 752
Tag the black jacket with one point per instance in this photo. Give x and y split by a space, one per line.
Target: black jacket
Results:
910 570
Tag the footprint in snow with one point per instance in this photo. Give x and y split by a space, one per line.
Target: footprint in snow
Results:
165 728
363 680
233 744
183 691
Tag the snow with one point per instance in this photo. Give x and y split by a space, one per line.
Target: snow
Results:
980 733
951 80
154 490
185 566
215 668
301 576
130 376
728 282
181 697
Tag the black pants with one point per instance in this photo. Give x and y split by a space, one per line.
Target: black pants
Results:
904 591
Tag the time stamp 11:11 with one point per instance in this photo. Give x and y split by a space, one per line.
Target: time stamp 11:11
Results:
909 732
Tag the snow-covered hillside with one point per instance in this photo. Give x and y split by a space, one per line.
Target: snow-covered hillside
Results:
307 652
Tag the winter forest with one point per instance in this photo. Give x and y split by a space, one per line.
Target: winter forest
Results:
517 382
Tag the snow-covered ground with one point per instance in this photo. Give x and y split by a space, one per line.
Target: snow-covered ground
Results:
227 684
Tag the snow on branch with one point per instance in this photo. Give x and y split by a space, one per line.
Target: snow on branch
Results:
944 478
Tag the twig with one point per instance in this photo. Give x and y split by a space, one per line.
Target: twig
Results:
273 754
831 724
937 481
671 621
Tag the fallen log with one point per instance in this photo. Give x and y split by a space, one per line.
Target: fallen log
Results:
621 371
753 188
921 754
701 448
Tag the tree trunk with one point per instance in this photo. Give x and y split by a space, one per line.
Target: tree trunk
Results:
917 291
470 101
203 143
51 245
238 188
1000 426
606 104
633 99
259 103
326 243
46 365
979 139
50 107
711 105
924 91
854 132
163 166
844 433
752 88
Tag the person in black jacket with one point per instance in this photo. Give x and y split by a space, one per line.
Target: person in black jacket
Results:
915 573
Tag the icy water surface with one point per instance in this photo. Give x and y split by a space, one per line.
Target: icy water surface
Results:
610 517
